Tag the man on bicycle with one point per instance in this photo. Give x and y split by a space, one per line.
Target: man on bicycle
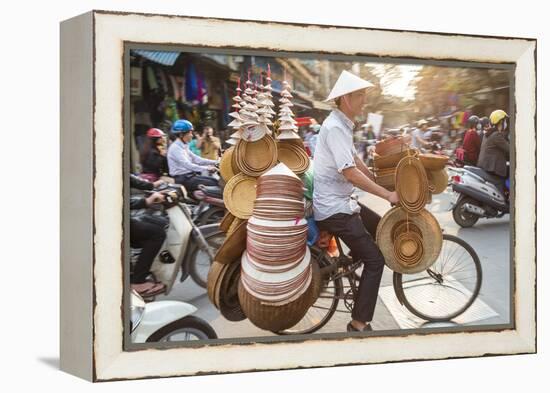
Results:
338 169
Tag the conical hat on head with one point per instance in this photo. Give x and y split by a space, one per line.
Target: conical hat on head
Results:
347 83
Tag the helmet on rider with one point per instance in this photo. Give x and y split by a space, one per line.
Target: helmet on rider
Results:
473 121
497 116
499 119
155 133
485 121
182 127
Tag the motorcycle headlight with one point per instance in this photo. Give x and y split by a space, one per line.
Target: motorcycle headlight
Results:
137 309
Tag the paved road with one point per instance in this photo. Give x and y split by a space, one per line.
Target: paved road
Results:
489 238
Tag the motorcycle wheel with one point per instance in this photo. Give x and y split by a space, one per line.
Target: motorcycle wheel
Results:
462 217
199 261
211 216
188 328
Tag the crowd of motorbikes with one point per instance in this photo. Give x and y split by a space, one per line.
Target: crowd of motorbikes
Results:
186 253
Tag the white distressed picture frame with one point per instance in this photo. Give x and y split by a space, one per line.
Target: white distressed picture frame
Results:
92 140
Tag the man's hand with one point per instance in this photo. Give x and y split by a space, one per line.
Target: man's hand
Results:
393 198
211 168
154 198
158 183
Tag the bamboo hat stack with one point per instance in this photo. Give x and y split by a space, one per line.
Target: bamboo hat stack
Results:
291 149
277 281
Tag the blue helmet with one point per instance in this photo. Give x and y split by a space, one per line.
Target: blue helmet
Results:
182 126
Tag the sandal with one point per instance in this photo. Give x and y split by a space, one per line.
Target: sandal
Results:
149 288
351 328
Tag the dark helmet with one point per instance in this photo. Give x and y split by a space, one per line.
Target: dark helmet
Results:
485 121
473 121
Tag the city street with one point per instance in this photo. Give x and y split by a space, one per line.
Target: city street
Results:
489 238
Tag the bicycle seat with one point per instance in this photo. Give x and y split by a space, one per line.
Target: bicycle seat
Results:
481 173
212 191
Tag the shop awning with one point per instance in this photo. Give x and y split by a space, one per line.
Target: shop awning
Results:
161 57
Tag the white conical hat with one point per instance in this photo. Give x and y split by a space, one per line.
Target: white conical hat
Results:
237 123
347 83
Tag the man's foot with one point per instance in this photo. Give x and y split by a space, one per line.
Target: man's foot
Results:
352 328
149 288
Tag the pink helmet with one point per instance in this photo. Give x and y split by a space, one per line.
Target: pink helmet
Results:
155 133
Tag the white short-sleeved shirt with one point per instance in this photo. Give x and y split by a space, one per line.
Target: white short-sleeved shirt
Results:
334 153
416 135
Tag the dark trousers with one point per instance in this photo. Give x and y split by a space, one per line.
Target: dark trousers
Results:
149 237
192 181
357 231
500 182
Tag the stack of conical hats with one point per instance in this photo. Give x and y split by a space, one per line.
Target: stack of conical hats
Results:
291 149
256 151
409 236
277 280
278 247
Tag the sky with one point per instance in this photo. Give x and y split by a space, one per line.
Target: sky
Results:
401 85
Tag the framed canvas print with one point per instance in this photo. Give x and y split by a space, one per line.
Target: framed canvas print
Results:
251 195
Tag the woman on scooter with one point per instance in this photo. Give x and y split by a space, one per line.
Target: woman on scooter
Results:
495 149
184 165
472 142
153 155
147 233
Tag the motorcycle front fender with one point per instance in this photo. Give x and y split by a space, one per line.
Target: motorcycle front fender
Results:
159 314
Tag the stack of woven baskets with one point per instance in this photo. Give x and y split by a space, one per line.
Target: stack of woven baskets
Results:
389 152
409 236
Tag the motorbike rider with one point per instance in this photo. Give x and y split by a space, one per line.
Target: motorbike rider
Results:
495 149
184 165
418 136
148 233
472 142
153 155
338 169
485 125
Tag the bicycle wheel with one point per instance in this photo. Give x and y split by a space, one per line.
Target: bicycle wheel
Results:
199 261
324 308
447 288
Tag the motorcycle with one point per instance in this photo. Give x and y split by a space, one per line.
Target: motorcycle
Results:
206 204
476 196
166 321
188 248
210 208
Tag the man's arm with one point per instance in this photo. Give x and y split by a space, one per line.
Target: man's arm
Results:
363 168
360 180
180 159
502 144
423 142
199 160
140 184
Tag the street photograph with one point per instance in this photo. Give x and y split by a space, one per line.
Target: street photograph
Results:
280 195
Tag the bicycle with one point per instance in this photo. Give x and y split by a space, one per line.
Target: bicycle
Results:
440 293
